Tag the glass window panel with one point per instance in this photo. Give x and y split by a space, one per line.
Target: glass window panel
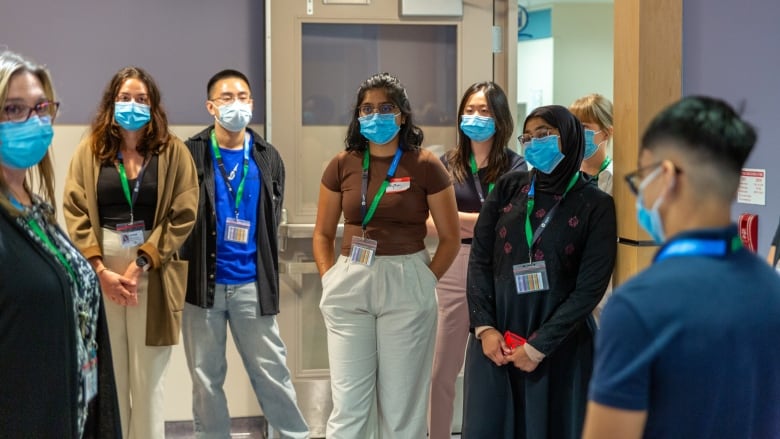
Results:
338 57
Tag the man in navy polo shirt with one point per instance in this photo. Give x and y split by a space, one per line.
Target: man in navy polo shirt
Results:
689 347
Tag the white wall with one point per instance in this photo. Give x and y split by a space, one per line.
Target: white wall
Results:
583 60
534 74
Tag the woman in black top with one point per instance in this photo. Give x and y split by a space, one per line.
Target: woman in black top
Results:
544 292
55 359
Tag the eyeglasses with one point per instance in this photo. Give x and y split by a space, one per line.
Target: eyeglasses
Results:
226 99
21 112
634 179
386 108
540 133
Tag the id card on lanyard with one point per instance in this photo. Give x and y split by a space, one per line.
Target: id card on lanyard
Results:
363 250
236 229
532 276
132 233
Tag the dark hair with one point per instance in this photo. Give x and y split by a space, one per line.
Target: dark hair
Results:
705 128
105 137
225 74
498 161
410 137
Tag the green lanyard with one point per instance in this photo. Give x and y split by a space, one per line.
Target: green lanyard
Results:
126 184
239 194
45 238
475 177
603 166
364 186
530 235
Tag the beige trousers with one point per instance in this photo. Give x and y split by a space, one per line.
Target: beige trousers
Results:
139 369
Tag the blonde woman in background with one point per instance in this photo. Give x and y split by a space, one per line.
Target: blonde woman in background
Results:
131 199
595 113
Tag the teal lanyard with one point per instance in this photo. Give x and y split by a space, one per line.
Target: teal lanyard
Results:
603 166
46 240
530 235
239 194
475 177
364 186
126 184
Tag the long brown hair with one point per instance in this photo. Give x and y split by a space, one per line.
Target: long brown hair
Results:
498 160
12 64
105 137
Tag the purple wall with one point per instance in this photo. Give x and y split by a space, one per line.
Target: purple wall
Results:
730 50
181 43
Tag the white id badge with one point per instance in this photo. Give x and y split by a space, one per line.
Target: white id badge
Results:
531 277
131 234
90 376
237 230
363 251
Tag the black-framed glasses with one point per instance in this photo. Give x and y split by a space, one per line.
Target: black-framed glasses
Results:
22 113
538 134
634 179
385 108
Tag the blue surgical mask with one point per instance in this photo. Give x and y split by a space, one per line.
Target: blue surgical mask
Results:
131 115
477 128
379 128
590 146
650 219
24 144
543 154
235 116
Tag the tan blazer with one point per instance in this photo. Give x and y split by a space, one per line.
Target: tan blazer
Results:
177 204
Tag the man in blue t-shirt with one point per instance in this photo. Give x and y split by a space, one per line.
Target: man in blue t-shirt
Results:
232 254
688 348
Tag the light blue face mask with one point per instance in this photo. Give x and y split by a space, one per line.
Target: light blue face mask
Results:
379 128
590 145
650 219
131 115
477 128
24 144
543 154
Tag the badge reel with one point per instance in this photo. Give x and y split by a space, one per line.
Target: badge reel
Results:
131 234
363 251
531 277
237 230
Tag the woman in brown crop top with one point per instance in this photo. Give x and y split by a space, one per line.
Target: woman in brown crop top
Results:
378 299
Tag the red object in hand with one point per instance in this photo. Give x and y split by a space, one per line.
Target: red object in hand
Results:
513 340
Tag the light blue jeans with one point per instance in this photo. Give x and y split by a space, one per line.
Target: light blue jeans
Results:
262 352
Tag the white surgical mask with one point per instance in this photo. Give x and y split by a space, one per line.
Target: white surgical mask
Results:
235 116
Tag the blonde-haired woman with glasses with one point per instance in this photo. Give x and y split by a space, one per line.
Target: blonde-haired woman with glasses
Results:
55 356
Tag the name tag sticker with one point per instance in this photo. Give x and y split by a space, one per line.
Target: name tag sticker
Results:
399 184
363 251
531 277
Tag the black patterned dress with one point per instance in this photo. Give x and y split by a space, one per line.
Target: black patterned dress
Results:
578 247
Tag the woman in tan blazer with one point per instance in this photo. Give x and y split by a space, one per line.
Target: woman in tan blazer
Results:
130 201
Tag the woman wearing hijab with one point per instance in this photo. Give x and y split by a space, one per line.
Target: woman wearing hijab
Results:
541 258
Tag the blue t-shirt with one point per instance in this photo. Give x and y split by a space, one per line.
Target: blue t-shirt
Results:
236 263
693 340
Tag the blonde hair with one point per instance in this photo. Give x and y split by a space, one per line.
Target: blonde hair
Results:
594 108
42 174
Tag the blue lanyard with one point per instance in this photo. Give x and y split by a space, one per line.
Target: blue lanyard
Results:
698 247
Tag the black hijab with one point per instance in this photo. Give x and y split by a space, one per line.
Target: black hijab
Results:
572 147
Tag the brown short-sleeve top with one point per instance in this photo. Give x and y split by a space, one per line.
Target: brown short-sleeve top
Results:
398 224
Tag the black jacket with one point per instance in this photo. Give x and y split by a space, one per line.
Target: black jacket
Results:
200 249
39 386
